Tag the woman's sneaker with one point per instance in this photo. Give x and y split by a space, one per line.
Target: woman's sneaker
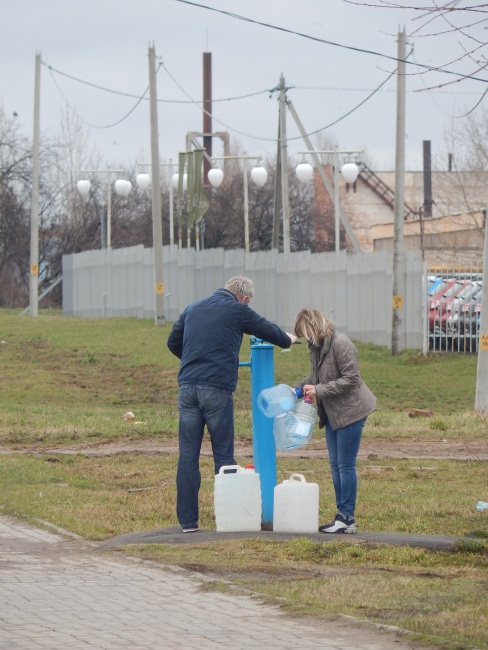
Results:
339 525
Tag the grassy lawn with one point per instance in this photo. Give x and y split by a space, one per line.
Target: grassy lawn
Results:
65 384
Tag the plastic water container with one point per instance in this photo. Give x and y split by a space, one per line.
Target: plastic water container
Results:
482 505
296 506
275 400
294 429
237 499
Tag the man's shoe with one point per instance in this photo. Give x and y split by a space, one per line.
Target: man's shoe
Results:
340 525
190 529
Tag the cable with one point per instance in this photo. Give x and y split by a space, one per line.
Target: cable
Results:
163 101
199 105
247 135
327 42
95 126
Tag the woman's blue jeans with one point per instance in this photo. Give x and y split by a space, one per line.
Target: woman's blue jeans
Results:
343 446
200 406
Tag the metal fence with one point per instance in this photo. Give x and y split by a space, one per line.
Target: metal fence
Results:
454 309
355 291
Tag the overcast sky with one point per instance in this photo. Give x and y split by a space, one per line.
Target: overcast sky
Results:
105 43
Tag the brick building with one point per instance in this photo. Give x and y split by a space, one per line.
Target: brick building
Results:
444 212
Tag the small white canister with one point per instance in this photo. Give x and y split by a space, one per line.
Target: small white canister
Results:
296 506
237 499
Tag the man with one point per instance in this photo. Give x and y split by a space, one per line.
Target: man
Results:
207 338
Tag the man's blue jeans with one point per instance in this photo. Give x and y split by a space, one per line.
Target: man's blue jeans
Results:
200 406
343 446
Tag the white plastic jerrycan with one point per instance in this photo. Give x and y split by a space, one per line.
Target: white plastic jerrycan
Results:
296 506
237 499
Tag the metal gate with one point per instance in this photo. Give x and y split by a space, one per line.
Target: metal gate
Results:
454 308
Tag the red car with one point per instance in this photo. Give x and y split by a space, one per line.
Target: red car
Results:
439 303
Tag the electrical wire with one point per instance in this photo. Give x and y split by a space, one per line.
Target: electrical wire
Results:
95 126
198 104
131 95
327 42
258 138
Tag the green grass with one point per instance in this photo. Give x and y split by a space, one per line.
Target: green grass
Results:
66 383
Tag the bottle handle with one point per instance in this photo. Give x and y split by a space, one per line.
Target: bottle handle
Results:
234 469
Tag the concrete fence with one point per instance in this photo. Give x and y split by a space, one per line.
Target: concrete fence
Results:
355 291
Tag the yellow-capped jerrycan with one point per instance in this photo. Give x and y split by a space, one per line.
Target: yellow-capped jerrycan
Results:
296 506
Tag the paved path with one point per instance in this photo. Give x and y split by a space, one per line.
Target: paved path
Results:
58 593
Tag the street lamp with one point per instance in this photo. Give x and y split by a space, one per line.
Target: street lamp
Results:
122 188
349 171
143 181
175 179
259 176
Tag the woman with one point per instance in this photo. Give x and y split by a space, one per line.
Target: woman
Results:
343 401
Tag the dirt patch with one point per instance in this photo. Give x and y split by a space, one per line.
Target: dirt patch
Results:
370 449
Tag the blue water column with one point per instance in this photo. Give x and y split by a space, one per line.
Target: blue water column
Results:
264 449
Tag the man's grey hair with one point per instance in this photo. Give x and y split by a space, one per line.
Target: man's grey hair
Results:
240 286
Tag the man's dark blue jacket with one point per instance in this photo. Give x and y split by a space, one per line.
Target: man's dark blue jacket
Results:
208 335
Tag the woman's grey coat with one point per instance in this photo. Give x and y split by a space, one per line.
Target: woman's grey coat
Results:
342 396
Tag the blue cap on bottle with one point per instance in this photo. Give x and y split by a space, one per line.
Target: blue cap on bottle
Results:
299 392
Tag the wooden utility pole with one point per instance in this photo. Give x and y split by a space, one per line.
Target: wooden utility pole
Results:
397 330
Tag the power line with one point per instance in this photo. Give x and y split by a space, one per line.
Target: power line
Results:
327 42
198 104
133 96
97 126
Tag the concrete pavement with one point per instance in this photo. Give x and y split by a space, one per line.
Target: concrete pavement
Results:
61 593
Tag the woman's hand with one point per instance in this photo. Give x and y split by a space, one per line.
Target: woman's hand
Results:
309 389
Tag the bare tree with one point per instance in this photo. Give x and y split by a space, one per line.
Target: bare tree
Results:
15 166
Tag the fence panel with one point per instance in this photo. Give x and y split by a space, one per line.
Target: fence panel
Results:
353 290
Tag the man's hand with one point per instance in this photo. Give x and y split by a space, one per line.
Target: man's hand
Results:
293 338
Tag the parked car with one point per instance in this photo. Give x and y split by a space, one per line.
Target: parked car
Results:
462 325
439 303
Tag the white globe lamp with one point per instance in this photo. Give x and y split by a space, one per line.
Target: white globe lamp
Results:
350 172
83 187
122 187
143 181
175 179
304 172
259 176
215 177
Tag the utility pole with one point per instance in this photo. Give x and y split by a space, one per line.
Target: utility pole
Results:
283 149
397 330
157 226
481 403
207 113
34 240
278 196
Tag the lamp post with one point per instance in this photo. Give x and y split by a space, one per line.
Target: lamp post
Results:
349 171
122 188
143 181
174 186
259 176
